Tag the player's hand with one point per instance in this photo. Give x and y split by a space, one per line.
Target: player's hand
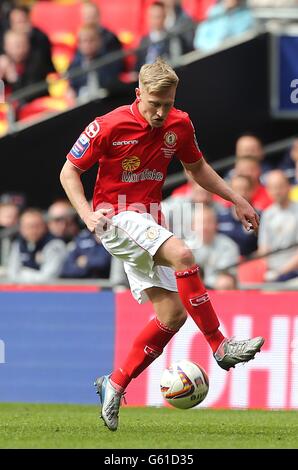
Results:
97 220
247 215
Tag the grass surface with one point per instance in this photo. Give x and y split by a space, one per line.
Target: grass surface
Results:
73 426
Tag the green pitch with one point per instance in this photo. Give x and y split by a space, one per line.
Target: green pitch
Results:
72 426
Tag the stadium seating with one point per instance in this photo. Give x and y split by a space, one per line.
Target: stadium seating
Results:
40 107
60 22
252 272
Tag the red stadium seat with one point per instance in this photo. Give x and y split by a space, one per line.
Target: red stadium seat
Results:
197 9
252 272
43 106
3 119
61 23
124 18
53 18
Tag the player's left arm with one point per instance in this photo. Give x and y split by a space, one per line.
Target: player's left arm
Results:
206 177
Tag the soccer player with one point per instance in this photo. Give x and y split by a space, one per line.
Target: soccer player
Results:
133 145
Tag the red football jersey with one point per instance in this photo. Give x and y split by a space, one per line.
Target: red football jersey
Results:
133 157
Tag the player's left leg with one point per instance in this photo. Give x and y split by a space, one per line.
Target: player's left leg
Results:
195 298
148 345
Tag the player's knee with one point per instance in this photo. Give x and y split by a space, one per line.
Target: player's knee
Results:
177 318
184 258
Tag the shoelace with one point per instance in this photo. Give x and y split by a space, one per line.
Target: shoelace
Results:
237 347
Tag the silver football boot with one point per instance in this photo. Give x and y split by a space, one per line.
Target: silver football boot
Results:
110 401
231 352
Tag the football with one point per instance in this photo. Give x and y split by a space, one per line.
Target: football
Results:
184 384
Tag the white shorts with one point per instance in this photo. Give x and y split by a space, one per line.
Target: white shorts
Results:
135 238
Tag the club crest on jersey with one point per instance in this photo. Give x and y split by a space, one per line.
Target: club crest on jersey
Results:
152 233
93 129
80 147
131 163
170 139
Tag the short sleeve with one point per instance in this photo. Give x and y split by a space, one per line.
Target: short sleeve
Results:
88 148
189 151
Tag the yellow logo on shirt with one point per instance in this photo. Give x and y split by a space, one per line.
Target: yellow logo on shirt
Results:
131 163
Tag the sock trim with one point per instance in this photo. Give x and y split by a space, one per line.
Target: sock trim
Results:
164 327
188 272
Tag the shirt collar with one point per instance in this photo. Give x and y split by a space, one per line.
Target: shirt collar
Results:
135 111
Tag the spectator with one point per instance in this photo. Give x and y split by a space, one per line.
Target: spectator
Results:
87 258
19 21
279 229
250 145
225 281
158 43
91 48
9 215
90 16
225 20
19 199
229 223
178 21
62 221
215 252
36 256
250 167
9 219
20 66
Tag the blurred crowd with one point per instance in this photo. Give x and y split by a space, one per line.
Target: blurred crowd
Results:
28 55
39 247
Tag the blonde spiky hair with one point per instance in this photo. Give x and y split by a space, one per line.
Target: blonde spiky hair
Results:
157 76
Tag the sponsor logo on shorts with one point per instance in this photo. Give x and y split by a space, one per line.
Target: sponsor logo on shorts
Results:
153 175
152 233
125 142
93 129
170 139
80 147
131 163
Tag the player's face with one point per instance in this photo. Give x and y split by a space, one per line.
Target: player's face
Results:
155 107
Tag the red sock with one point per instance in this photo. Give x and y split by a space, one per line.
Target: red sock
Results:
196 300
146 347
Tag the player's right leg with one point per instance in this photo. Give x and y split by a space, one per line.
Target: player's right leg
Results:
148 345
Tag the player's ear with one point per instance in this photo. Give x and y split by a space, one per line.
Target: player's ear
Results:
138 93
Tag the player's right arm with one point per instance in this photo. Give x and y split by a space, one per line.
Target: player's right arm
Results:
84 154
70 178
